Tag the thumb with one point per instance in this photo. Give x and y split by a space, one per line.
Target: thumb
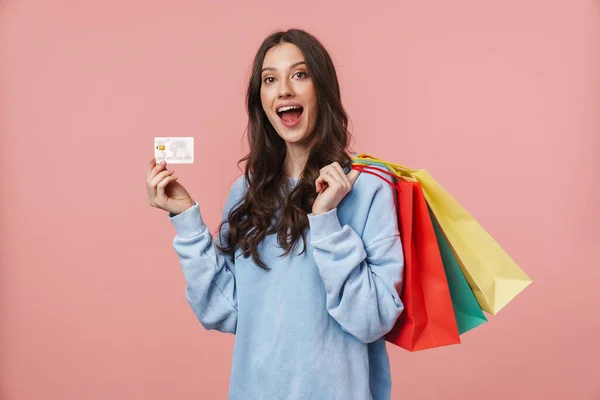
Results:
353 176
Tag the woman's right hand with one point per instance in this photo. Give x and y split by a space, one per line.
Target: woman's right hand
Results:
164 191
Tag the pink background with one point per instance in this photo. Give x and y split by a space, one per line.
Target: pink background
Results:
498 101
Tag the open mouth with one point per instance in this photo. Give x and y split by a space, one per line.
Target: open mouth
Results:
290 114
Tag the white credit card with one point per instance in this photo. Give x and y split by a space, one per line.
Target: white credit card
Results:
174 150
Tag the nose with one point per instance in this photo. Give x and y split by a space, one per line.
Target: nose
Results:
285 89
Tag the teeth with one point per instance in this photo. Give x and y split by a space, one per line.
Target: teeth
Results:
286 108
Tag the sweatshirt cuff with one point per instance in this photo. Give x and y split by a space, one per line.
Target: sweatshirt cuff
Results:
188 223
324 224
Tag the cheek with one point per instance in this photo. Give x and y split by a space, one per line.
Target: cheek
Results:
311 97
314 108
264 100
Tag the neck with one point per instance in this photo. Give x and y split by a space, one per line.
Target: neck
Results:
295 160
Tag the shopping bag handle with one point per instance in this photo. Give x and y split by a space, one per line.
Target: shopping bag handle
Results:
396 167
366 168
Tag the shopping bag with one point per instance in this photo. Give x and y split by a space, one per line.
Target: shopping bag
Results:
466 308
492 274
428 319
467 311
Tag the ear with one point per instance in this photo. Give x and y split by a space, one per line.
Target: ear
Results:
353 176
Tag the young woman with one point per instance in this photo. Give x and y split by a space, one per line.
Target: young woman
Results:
309 323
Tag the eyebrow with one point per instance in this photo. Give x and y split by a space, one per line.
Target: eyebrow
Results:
291 66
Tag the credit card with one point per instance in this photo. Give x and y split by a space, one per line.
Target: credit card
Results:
174 150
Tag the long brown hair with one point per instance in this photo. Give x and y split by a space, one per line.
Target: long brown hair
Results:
267 190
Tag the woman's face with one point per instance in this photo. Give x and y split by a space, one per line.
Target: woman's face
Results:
288 94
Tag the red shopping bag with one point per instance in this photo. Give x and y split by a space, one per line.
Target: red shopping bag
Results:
428 319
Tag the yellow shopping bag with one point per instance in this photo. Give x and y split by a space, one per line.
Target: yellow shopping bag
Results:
492 275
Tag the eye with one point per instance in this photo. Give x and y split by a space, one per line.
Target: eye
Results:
304 74
266 80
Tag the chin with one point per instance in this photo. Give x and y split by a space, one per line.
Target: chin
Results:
294 137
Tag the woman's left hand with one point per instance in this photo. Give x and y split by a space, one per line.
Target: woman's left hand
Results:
332 185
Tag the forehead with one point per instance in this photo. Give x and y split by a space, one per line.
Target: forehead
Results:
282 56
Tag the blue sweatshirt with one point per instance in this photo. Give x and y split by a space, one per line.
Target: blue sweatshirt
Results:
313 326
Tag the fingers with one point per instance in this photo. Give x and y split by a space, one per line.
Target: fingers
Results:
340 173
152 171
333 174
154 168
335 169
158 178
326 179
320 182
160 188
153 184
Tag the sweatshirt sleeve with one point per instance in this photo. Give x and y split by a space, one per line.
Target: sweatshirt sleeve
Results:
209 274
362 276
